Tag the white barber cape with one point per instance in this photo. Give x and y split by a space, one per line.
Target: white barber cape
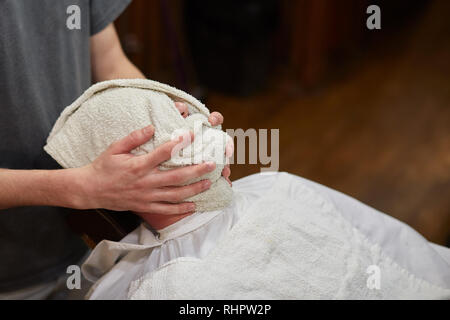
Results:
283 237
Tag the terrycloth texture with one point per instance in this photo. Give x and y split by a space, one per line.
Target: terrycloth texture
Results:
292 243
110 110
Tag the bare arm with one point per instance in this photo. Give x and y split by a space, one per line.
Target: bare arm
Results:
39 187
141 185
108 61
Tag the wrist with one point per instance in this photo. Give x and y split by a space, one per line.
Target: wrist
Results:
69 188
82 188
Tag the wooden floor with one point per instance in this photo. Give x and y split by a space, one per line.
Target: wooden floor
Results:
380 131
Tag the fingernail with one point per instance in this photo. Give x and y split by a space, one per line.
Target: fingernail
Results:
206 184
191 207
148 129
186 136
210 165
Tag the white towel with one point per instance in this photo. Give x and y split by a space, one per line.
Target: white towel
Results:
110 110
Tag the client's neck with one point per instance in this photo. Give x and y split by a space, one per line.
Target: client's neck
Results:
161 221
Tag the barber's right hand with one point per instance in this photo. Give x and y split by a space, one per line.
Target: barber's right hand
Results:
120 181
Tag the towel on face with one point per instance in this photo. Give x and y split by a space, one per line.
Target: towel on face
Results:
110 110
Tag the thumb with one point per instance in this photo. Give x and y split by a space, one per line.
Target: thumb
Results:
132 141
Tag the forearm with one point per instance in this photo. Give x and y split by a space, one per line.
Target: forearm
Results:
108 59
61 188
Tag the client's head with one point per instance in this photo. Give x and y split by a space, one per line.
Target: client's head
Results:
110 110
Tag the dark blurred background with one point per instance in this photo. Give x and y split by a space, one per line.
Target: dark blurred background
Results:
366 112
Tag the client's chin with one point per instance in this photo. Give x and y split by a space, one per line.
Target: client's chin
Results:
161 221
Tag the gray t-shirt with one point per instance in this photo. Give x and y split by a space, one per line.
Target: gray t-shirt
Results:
44 67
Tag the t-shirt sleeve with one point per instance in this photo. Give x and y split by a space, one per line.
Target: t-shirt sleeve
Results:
103 12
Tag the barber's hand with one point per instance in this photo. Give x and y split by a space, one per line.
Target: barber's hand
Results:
120 181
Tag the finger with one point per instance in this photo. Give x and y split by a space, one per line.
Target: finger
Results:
170 208
181 175
215 118
183 108
178 194
226 172
132 141
164 152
